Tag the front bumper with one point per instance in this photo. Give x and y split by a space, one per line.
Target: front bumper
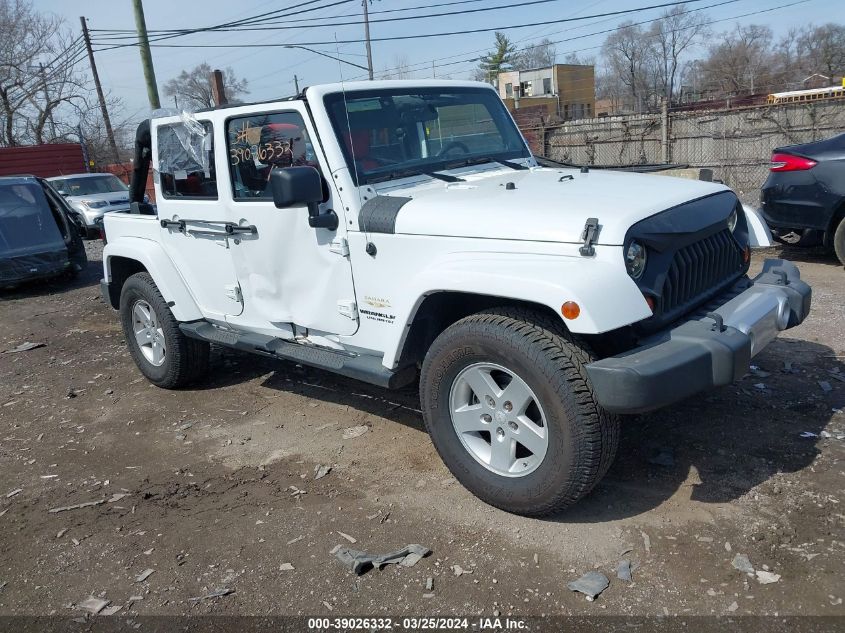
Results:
14 270
704 352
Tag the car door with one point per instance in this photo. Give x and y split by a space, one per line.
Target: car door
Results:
193 219
290 273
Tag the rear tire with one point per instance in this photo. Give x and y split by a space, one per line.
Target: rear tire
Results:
528 350
165 356
839 241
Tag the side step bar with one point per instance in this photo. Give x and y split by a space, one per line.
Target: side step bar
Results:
365 368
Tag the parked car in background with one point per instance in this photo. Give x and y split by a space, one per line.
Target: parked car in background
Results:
803 199
38 237
92 195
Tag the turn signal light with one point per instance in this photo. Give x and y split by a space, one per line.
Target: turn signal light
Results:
650 302
570 310
746 254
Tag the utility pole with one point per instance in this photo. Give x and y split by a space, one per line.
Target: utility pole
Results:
146 57
367 37
103 108
296 83
218 90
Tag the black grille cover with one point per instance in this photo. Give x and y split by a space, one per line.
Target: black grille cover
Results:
692 255
699 269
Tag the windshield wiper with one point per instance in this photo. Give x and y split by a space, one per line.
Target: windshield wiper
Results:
444 177
469 162
414 172
512 165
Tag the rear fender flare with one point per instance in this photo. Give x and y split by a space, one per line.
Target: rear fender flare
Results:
160 267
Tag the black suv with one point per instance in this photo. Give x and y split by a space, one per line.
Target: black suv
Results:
803 198
39 236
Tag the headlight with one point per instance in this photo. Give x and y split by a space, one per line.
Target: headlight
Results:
635 258
95 204
732 220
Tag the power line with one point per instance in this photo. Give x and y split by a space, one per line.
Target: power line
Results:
427 63
36 81
444 34
736 17
516 5
347 15
245 21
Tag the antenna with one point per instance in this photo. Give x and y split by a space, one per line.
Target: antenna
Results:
363 222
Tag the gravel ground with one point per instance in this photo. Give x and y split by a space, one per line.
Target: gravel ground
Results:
214 488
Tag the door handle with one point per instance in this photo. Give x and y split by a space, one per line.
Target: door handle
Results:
229 228
173 224
236 229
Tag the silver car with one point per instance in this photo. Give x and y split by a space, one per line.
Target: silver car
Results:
92 195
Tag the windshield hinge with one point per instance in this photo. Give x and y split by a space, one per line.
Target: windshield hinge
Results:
589 235
233 292
348 308
340 246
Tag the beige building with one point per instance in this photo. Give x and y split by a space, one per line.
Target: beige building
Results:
566 91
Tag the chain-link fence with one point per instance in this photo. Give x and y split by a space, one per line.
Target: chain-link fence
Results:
736 144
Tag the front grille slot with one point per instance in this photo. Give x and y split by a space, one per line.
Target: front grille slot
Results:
698 271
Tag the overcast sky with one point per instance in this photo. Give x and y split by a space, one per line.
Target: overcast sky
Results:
270 71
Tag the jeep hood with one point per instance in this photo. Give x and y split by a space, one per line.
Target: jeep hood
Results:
547 205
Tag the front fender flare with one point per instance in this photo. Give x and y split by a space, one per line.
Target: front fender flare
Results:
607 296
160 267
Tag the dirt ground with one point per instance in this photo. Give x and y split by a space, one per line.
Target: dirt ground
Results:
214 488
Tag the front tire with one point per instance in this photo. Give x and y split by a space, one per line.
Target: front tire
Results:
165 356
508 404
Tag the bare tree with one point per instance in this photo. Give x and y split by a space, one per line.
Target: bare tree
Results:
786 70
55 88
627 51
400 69
576 60
84 124
823 49
541 54
27 38
670 38
741 63
192 88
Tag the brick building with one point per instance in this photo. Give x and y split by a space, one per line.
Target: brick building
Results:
565 91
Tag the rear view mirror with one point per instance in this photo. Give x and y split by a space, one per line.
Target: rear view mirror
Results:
295 186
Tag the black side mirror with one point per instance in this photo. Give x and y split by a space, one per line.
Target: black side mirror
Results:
294 186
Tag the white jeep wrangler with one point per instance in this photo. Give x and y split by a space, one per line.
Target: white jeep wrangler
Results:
392 230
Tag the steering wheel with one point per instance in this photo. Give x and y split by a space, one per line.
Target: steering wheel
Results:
451 146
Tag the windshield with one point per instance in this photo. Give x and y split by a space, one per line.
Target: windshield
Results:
395 133
25 217
89 186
